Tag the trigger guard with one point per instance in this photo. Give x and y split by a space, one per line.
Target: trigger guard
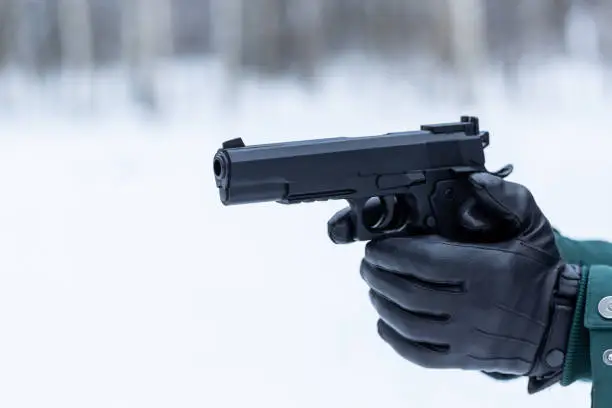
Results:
388 204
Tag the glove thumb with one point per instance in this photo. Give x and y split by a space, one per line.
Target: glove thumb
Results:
497 203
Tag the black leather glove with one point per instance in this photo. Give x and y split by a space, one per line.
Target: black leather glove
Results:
501 301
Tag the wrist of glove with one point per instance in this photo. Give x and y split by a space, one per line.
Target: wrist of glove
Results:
501 305
548 368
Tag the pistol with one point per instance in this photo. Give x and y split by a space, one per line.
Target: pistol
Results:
400 183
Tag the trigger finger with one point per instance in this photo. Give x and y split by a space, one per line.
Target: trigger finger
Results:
340 227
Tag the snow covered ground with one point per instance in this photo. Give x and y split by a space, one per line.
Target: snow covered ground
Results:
125 283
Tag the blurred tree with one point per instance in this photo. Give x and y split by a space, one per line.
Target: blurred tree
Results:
105 18
76 43
6 31
291 37
76 37
280 36
601 10
192 25
29 35
467 44
146 41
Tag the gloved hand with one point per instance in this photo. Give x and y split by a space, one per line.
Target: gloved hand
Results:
500 306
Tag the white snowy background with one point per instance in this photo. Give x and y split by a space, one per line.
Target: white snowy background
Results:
125 283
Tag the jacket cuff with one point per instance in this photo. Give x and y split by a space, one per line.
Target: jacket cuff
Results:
598 320
577 364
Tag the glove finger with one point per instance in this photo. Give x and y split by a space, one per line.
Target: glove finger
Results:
409 293
501 349
427 258
512 365
501 376
418 327
509 202
341 228
423 354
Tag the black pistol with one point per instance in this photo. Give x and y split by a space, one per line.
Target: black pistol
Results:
396 184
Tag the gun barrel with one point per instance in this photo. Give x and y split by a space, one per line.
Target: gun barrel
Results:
342 168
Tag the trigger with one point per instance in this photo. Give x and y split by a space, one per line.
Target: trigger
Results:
504 171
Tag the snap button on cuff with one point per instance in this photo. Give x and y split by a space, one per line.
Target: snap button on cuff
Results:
605 308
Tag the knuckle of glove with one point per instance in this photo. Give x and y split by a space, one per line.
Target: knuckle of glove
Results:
490 330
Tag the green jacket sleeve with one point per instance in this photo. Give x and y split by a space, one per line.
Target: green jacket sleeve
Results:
586 252
589 354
